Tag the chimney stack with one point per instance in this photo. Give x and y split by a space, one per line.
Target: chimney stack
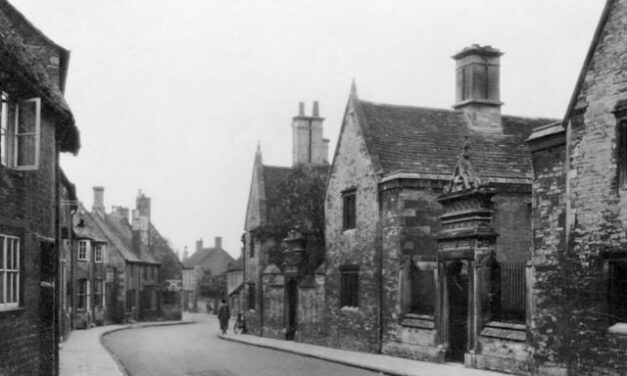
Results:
142 212
185 254
218 242
477 91
98 205
198 245
121 211
308 145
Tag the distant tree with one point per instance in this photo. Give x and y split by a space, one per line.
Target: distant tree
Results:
211 286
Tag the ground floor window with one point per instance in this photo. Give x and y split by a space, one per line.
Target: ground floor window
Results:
9 272
418 287
618 292
349 286
508 291
82 294
98 293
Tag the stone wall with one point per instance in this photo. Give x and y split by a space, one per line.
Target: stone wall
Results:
354 328
311 311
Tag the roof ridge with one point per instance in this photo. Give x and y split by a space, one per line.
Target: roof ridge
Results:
410 106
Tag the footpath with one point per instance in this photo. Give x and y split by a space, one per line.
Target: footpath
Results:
385 364
83 353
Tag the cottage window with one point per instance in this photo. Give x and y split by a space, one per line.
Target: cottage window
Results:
508 291
98 293
83 248
9 272
349 286
618 292
251 296
349 209
99 252
82 294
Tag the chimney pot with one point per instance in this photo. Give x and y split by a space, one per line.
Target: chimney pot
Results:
315 112
301 108
98 205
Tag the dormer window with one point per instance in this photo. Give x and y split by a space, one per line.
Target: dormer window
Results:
20 127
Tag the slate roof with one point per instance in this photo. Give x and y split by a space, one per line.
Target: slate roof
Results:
21 63
235 265
114 230
405 139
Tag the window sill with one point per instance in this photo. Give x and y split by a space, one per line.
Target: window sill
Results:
505 330
412 320
11 311
349 309
619 329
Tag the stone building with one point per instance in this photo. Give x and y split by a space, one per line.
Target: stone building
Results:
391 286
68 206
36 125
214 260
235 286
280 303
580 217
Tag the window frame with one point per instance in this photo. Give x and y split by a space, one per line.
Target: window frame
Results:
349 286
252 296
81 294
99 286
16 135
14 301
614 293
349 209
99 252
251 247
80 250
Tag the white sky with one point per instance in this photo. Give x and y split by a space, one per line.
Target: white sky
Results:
171 96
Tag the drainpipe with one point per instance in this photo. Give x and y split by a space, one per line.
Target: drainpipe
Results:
57 229
379 256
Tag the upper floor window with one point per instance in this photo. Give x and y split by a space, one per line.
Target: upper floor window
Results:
349 286
99 253
349 209
9 272
83 250
20 126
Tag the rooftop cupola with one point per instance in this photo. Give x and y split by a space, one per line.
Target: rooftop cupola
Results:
477 92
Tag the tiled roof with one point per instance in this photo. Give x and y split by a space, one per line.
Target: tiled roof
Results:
85 226
429 141
216 259
235 265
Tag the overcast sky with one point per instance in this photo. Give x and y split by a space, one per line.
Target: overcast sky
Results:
172 96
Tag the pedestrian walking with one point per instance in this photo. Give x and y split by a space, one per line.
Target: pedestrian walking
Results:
223 315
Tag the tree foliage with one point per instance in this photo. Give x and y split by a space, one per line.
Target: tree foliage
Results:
211 286
300 204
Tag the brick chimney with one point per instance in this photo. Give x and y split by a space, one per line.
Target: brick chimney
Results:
308 145
218 242
98 205
477 91
198 244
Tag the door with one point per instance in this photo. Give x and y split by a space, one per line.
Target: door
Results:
292 307
457 287
47 309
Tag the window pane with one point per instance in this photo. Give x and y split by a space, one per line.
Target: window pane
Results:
14 288
16 255
26 149
2 283
2 241
27 117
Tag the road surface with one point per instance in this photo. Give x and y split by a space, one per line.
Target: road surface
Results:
196 350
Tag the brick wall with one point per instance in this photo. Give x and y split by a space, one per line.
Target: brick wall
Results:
28 211
353 328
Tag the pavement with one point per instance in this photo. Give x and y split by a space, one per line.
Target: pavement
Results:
83 354
384 364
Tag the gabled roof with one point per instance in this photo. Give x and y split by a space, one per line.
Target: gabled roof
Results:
235 265
427 141
21 63
273 176
206 257
114 230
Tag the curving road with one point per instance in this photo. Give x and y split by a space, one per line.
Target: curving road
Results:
196 350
